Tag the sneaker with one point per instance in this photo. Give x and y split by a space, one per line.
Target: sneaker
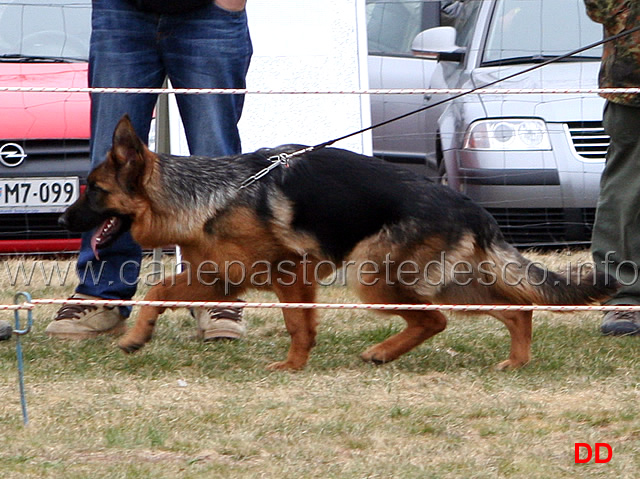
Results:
220 323
621 323
81 321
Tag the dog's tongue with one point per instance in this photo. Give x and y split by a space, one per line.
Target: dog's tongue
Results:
104 234
99 233
94 241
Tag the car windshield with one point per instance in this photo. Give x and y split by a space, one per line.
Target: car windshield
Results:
525 31
44 30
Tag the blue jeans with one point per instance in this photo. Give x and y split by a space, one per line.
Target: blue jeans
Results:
206 48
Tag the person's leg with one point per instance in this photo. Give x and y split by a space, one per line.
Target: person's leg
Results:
123 54
616 234
208 48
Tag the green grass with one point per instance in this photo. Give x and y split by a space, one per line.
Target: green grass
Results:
181 408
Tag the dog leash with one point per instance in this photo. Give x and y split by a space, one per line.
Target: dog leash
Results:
283 159
278 160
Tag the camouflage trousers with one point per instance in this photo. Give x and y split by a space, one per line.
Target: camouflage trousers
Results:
616 233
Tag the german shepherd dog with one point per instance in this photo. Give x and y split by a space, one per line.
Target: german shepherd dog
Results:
400 239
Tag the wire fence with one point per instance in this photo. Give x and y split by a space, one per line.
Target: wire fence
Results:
370 91
34 303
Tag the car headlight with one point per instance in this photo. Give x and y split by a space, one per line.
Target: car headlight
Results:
507 134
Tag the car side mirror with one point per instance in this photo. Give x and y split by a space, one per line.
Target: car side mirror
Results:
438 43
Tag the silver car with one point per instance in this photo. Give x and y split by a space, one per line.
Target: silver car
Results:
533 160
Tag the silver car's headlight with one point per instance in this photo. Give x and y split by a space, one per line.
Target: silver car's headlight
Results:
507 134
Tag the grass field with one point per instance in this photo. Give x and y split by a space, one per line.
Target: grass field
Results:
181 408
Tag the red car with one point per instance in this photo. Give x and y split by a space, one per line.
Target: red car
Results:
44 137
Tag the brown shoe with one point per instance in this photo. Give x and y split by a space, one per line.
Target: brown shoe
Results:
220 323
80 321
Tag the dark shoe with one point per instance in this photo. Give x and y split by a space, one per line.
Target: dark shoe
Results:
621 323
6 330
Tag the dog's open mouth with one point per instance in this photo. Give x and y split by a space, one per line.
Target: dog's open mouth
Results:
107 233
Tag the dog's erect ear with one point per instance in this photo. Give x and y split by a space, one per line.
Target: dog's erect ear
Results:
126 146
129 155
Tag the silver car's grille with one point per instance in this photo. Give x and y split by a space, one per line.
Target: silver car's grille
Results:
544 226
589 139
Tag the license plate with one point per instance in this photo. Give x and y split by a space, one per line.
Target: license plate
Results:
37 195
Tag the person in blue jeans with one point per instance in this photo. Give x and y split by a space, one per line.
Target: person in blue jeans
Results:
137 44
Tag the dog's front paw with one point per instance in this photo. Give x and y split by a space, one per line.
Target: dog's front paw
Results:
510 364
129 346
376 356
284 366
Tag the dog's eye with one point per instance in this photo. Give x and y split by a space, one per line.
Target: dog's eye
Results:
94 188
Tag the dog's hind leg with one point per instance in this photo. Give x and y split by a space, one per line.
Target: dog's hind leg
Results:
421 325
519 324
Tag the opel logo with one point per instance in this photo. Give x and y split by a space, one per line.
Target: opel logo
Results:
12 155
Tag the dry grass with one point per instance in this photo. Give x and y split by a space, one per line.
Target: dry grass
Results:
185 409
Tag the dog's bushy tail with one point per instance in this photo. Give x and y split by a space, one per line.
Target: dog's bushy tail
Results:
531 283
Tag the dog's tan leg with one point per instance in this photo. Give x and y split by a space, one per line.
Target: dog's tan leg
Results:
421 325
183 288
300 323
140 334
519 325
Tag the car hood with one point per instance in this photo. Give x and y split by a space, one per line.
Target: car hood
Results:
551 106
37 115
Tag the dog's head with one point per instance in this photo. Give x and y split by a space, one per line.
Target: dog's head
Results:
114 189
